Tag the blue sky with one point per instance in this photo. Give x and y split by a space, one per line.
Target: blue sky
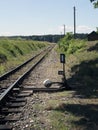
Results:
35 17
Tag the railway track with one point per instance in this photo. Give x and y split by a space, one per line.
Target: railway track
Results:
13 92
12 95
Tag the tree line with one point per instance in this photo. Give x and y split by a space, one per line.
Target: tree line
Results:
49 38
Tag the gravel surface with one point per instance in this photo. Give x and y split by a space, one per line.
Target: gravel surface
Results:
34 117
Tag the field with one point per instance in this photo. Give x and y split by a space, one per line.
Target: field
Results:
15 52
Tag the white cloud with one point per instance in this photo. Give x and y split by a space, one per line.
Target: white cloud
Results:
5 34
84 29
55 30
79 29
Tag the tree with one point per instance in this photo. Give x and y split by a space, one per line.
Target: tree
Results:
95 3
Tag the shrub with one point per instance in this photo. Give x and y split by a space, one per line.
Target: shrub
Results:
68 45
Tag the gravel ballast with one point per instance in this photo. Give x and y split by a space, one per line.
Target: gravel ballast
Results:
33 117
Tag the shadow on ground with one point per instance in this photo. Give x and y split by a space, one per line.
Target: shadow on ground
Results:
88 115
93 48
85 79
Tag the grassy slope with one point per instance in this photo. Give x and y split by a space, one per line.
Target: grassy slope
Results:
84 75
82 60
78 109
14 52
84 67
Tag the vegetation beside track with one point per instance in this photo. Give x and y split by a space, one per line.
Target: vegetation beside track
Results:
81 59
78 108
14 52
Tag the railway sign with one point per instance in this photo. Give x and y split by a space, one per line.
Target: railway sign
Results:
60 72
62 58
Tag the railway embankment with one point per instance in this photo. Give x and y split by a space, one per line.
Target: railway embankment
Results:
15 51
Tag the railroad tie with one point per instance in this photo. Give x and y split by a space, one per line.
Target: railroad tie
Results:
5 127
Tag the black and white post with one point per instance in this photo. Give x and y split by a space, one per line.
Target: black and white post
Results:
62 60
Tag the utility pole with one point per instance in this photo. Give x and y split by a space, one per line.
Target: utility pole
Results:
74 22
64 30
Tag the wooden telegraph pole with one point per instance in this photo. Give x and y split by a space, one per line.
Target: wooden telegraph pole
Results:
74 22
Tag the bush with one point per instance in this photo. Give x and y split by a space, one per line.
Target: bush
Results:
68 45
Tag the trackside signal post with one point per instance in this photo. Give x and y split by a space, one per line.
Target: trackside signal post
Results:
47 83
62 60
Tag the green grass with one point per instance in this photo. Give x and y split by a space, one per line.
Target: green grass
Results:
68 45
82 61
84 70
82 73
72 46
14 52
62 112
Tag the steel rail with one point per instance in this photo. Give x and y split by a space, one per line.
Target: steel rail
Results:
4 76
5 94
